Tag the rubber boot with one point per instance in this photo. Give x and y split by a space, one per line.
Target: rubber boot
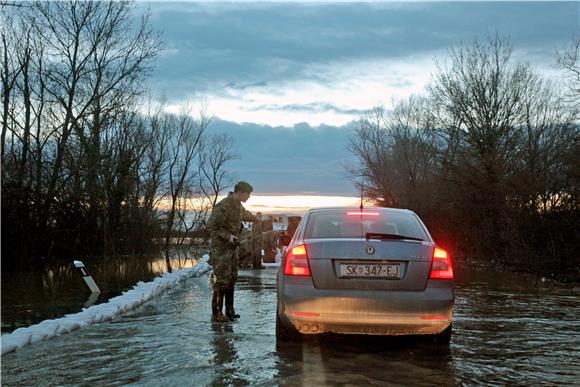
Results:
255 262
230 311
217 303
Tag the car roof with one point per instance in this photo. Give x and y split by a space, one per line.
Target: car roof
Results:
384 209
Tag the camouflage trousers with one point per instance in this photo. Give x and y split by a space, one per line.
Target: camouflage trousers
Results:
257 252
257 258
225 264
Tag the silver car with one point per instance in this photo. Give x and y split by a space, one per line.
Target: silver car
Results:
373 271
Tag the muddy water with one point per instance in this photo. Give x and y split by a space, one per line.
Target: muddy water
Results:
28 297
508 329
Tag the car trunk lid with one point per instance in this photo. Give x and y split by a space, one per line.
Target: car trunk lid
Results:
357 263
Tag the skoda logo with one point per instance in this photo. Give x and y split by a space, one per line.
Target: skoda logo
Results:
370 250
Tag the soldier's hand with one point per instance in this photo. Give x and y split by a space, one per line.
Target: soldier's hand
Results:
212 279
234 240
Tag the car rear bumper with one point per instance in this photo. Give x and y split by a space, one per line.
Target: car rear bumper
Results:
310 310
364 324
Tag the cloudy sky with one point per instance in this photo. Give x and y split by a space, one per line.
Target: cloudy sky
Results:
289 80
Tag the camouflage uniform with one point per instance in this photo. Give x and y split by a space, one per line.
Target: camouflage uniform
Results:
257 242
269 240
226 220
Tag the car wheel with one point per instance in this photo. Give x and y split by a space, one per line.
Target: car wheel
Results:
284 333
445 336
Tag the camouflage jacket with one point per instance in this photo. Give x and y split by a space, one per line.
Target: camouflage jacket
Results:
257 232
257 235
226 219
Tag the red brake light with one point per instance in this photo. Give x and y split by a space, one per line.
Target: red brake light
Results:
297 261
441 267
360 213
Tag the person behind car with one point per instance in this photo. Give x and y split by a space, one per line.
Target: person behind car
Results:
257 241
224 226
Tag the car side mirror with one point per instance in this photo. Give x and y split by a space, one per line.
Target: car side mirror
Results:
284 240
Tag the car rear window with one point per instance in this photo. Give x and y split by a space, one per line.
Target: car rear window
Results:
339 224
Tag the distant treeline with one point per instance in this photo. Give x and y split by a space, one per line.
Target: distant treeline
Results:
489 158
89 167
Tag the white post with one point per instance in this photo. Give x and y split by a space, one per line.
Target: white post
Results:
87 277
91 300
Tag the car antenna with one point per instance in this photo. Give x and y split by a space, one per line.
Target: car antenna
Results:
362 192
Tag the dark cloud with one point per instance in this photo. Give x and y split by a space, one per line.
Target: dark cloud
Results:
213 48
291 160
212 45
243 86
314 107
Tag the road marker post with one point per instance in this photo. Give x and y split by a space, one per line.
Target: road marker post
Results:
87 277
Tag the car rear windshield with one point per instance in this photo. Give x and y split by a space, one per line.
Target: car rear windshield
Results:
339 224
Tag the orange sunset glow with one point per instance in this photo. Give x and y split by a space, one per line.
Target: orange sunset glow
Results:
297 204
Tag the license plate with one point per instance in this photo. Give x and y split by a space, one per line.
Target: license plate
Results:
370 270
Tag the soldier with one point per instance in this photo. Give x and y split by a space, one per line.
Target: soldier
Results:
225 225
257 243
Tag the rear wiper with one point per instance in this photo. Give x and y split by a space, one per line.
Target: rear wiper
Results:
375 235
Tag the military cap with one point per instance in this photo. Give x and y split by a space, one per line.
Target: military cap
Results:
243 187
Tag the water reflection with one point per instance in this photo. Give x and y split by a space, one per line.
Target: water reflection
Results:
225 356
355 360
508 327
28 297
92 300
252 283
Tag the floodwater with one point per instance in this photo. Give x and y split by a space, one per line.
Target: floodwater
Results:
51 292
508 329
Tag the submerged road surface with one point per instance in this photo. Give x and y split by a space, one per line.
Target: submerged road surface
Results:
507 330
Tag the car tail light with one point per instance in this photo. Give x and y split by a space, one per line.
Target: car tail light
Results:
441 266
297 261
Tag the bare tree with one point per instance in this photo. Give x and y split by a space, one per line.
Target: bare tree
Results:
396 154
184 143
9 73
568 59
547 135
371 145
71 73
482 99
414 157
153 168
492 149
215 153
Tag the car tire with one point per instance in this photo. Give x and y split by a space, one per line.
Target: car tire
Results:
445 336
284 333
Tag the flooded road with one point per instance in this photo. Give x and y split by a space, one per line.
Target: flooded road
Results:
508 329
